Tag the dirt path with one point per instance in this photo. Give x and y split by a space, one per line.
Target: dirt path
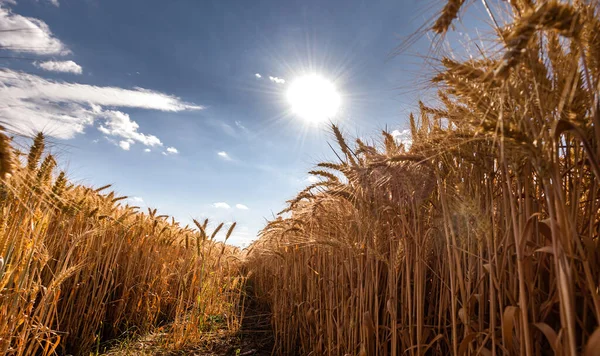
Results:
254 339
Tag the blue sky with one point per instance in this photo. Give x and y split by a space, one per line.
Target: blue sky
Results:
162 98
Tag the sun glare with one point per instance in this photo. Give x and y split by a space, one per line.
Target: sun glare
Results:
313 98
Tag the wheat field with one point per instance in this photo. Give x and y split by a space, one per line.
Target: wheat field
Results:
78 266
481 236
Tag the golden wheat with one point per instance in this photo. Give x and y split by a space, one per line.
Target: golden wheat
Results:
78 267
482 238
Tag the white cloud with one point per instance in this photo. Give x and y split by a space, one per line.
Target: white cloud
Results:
31 103
60 66
126 145
147 150
172 150
277 80
224 155
241 206
221 205
119 124
27 34
138 200
312 179
258 75
54 2
24 86
403 137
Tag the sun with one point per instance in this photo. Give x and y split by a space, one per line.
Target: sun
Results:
313 98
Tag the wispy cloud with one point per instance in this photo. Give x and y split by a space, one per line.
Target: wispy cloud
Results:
172 150
223 126
27 34
60 66
277 80
147 150
221 205
237 129
54 2
241 126
403 137
65 109
224 155
22 86
258 75
241 206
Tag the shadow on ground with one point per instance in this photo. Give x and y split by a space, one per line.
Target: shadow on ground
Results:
255 338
